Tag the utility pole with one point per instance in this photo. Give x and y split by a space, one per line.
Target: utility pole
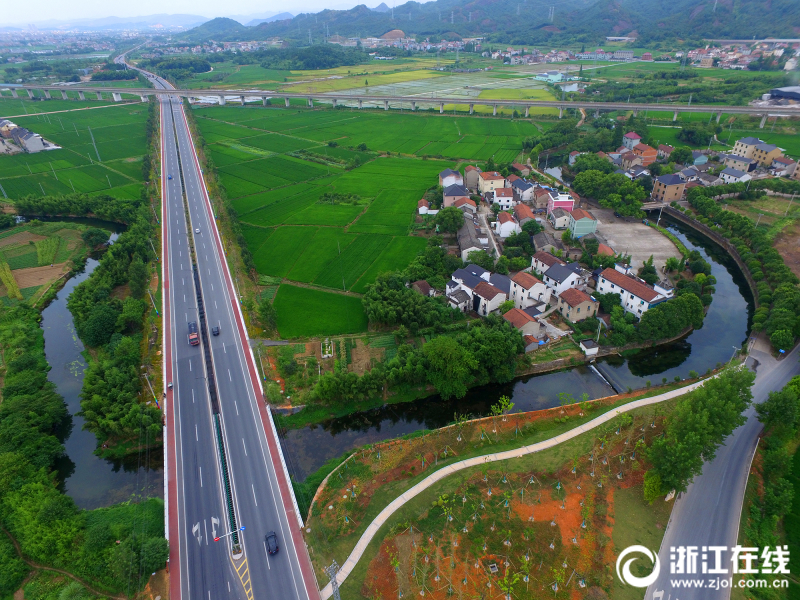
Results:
93 144
790 205
309 38
470 17
452 13
331 572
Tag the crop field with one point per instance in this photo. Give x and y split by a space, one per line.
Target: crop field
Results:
24 106
305 312
394 257
111 164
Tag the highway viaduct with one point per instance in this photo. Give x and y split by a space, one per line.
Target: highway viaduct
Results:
415 102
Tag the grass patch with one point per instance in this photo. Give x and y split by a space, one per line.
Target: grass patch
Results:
304 312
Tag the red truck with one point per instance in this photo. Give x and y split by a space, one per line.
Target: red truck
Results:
194 339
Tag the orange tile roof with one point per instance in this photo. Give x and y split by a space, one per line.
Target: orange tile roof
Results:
526 280
634 286
522 211
487 290
574 297
471 168
604 250
491 175
504 193
518 318
579 214
464 200
548 259
422 203
504 217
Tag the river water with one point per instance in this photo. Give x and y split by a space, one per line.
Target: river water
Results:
726 325
91 481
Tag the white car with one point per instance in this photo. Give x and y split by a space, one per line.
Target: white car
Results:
197 230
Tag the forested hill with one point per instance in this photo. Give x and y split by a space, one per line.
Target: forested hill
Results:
527 21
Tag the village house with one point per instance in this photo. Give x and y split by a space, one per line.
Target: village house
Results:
423 287
629 160
668 188
525 323
562 277
698 158
27 140
468 240
730 175
559 200
541 197
589 347
581 222
541 261
758 150
423 206
522 190
576 305
506 225
664 151
460 300
523 170
636 296
523 214
503 197
453 193
648 154
471 177
527 290
544 241
559 218
707 179
742 163
466 205
573 156
630 139
489 181
782 167
450 177
486 298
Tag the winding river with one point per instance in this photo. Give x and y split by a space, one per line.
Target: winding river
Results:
726 325
91 481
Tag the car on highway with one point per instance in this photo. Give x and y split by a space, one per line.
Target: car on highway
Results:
197 230
169 176
215 330
271 542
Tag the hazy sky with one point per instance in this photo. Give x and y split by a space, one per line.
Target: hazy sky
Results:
30 11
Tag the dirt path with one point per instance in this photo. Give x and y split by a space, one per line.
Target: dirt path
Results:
319 288
39 567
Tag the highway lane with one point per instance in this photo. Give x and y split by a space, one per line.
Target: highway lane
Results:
205 570
708 513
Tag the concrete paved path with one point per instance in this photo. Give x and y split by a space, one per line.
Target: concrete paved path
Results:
437 476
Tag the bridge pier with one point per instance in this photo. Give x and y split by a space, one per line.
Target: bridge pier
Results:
99 96
441 107
241 100
47 94
560 111
14 93
385 105
263 100
635 112
30 93
222 100
360 104
763 121
597 114
310 103
64 95
286 102
494 110
719 116
471 108
334 103
143 98
527 111
675 116
413 106
81 96
116 96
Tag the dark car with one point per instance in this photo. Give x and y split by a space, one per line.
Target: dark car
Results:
215 330
169 176
271 541
616 214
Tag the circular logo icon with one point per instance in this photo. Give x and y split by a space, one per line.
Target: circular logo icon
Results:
627 577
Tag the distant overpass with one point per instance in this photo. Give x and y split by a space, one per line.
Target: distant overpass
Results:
415 102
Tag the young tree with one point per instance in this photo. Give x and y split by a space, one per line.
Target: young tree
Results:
506 306
137 277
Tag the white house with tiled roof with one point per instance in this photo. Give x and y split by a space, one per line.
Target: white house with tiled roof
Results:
636 296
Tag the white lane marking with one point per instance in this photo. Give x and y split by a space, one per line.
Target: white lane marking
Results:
237 407
201 476
192 396
215 304
190 365
197 439
267 552
224 349
254 492
205 525
184 297
229 586
245 447
229 375
212 287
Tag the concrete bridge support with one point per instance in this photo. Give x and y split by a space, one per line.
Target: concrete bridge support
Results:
385 105
527 111
14 93
263 100
99 96
334 102
360 104
441 107
597 114
413 106
222 100
64 95
675 116
116 96
719 116
471 108
763 121
494 110
47 94
81 96
241 100
143 98
310 103
30 93
560 111
635 112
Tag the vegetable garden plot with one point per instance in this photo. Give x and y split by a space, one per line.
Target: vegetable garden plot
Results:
353 261
319 252
280 250
396 256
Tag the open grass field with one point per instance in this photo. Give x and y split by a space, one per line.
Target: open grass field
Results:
304 312
334 83
111 164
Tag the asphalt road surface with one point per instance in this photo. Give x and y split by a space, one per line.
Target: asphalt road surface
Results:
708 513
197 514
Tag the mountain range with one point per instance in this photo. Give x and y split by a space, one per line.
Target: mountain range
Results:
531 21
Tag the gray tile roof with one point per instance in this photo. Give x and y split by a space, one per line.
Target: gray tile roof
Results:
731 172
559 273
456 190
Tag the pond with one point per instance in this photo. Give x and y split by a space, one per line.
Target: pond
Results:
91 481
726 325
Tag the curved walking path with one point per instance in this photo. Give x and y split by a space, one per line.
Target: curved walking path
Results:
475 461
